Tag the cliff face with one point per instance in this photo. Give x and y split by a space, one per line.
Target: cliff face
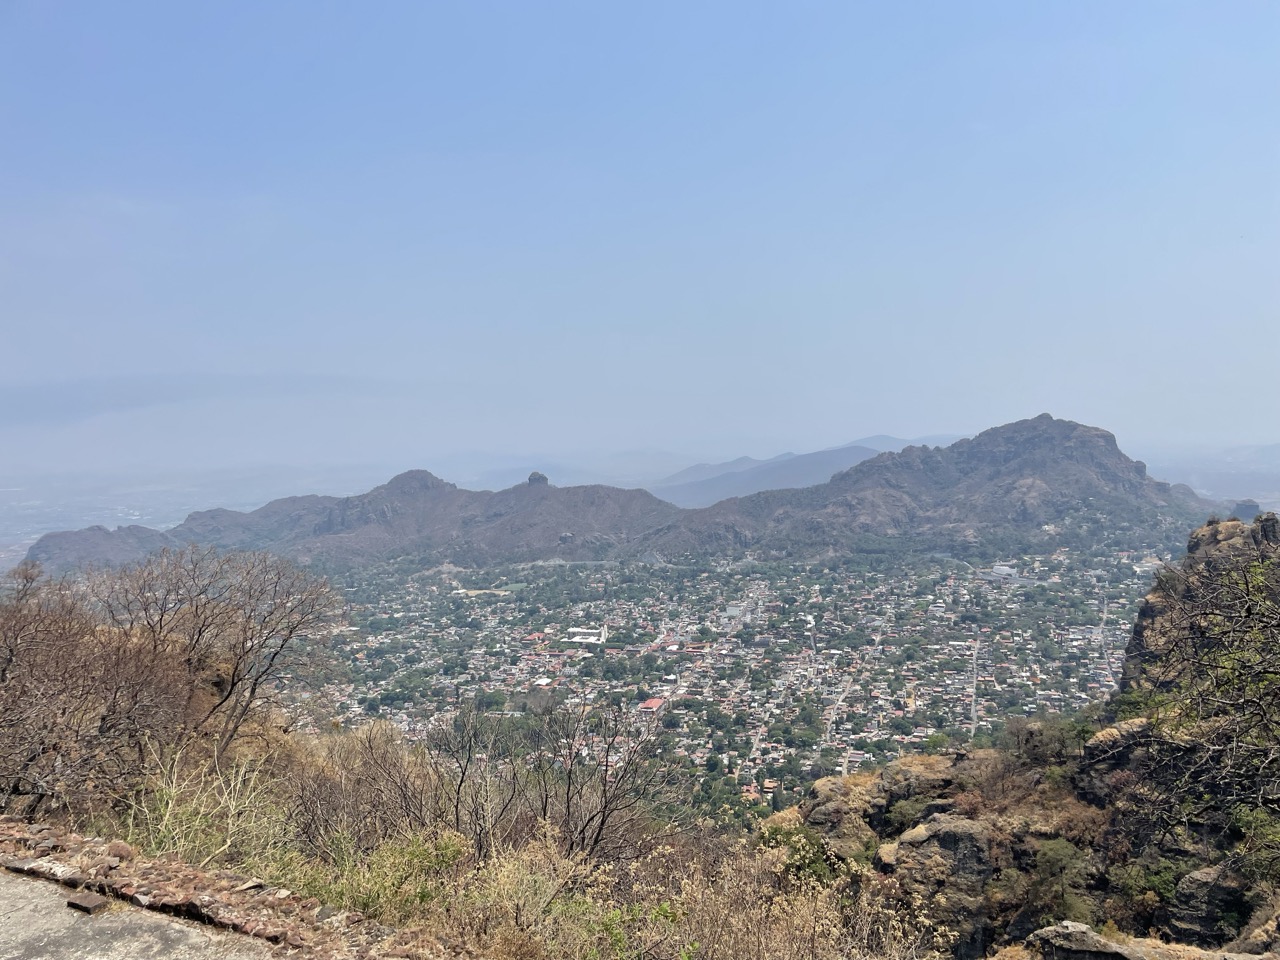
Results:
997 846
1164 821
1213 551
980 838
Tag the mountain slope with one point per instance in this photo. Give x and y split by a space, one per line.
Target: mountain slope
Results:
790 472
1009 481
1012 487
706 483
709 471
414 513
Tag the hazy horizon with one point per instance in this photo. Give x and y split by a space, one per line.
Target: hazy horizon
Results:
416 235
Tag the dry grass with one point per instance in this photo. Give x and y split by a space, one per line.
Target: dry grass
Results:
1016 952
696 896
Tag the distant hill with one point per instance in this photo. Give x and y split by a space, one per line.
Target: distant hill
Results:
782 473
1010 486
414 513
1005 485
884 443
1228 473
707 483
709 471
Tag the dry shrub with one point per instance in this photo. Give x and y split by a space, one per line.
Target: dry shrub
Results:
404 882
1015 952
784 819
99 679
697 896
970 804
1109 931
531 902
1082 823
231 813
752 904
359 790
745 912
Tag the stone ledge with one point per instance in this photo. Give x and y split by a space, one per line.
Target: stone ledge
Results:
101 870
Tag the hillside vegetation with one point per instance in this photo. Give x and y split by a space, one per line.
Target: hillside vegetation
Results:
1161 816
140 703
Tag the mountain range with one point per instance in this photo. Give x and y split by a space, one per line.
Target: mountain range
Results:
1011 484
707 483
744 476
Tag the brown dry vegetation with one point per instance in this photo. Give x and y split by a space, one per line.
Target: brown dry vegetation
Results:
140 702
102 679
365 821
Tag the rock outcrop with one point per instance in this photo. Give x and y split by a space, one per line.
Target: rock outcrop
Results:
838 808
1076 941
1206 901
298 925
1211 546
947 861
900 820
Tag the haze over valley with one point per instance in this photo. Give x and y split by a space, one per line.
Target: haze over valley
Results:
31 506
713 481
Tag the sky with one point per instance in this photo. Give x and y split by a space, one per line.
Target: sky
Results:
409 233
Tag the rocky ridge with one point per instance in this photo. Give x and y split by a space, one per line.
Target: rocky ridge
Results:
1023 483
1062 823
1216 544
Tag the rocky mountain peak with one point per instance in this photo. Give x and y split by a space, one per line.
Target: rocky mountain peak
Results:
1017 484
416 482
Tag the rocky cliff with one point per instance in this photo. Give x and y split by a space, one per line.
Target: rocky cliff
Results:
1216 553
1163 820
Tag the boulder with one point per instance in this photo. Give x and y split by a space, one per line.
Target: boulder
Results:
1208 908
836 808
947 862
1076 941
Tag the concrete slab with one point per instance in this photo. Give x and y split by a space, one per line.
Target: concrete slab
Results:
36 924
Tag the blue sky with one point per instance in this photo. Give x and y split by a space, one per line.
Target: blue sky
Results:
408 232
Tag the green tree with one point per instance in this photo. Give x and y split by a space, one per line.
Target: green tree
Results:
1060 872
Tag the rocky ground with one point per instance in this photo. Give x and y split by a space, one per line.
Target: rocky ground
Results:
140 907
285 923
35 924
965 835
1076 941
